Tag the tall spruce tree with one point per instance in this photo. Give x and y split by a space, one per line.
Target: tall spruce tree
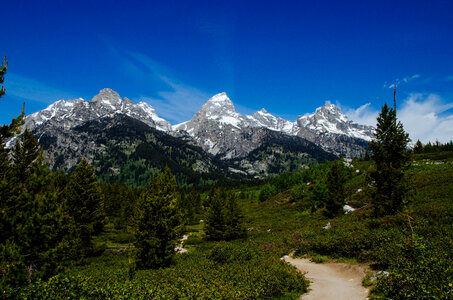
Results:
158 223
335 198
31 217
83 204
388 177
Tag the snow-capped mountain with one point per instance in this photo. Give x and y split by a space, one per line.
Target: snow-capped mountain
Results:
70 113
329 119
259 144
220 130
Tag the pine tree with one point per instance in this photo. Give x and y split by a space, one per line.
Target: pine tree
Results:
158 223
388 177
335 190
190 205
223 219
418 148
31 218
83 204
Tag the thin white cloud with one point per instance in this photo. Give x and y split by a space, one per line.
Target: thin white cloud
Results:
425 117
173 100
365 114
400 81
179 104
34 90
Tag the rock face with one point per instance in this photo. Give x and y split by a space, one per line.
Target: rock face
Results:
220 130
69 113
256 145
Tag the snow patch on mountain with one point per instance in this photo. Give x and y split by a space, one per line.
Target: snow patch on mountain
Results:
70 113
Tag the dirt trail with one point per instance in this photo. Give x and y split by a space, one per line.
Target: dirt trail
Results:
179 248
331 280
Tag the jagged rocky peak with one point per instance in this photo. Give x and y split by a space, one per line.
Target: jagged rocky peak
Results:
108 99
218 104
332 112
70 113
127 101
329 119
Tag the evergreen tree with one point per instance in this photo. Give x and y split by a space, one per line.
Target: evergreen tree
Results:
418 148
223 219
83 204
334 201
158 222
31 218
318 196
30 214
388 177
190 205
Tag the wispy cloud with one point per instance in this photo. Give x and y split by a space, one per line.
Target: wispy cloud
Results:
424 117
173 100
365 114
34 90
400 81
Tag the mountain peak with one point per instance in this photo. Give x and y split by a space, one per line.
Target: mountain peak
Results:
218 104
108 97
220 97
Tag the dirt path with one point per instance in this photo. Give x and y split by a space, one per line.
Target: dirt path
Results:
179 248
331 280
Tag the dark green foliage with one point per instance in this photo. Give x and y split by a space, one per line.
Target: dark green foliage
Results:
267 191
319 196
335 196
392 159
233 270
83 203
431 148
119 202
158 223
224 218
418 148
134 152
190 205
31 244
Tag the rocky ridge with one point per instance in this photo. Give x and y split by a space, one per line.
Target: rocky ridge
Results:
220 130
258 145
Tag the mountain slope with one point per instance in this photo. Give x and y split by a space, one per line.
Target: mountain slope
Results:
126 149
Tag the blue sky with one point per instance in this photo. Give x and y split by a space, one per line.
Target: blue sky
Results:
287 56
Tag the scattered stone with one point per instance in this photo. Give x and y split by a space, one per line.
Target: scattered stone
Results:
348 209
378 275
